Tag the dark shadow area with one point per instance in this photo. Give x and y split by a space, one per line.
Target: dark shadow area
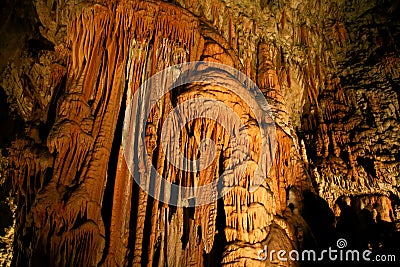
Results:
320 218
362 229
11 124
214 258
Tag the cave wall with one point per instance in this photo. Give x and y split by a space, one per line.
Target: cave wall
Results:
329 71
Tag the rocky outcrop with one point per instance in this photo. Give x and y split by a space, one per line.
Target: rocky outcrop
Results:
329 71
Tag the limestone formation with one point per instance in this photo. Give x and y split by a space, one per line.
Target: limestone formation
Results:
329 71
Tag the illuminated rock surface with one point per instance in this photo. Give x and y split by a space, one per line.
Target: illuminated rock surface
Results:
328 69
